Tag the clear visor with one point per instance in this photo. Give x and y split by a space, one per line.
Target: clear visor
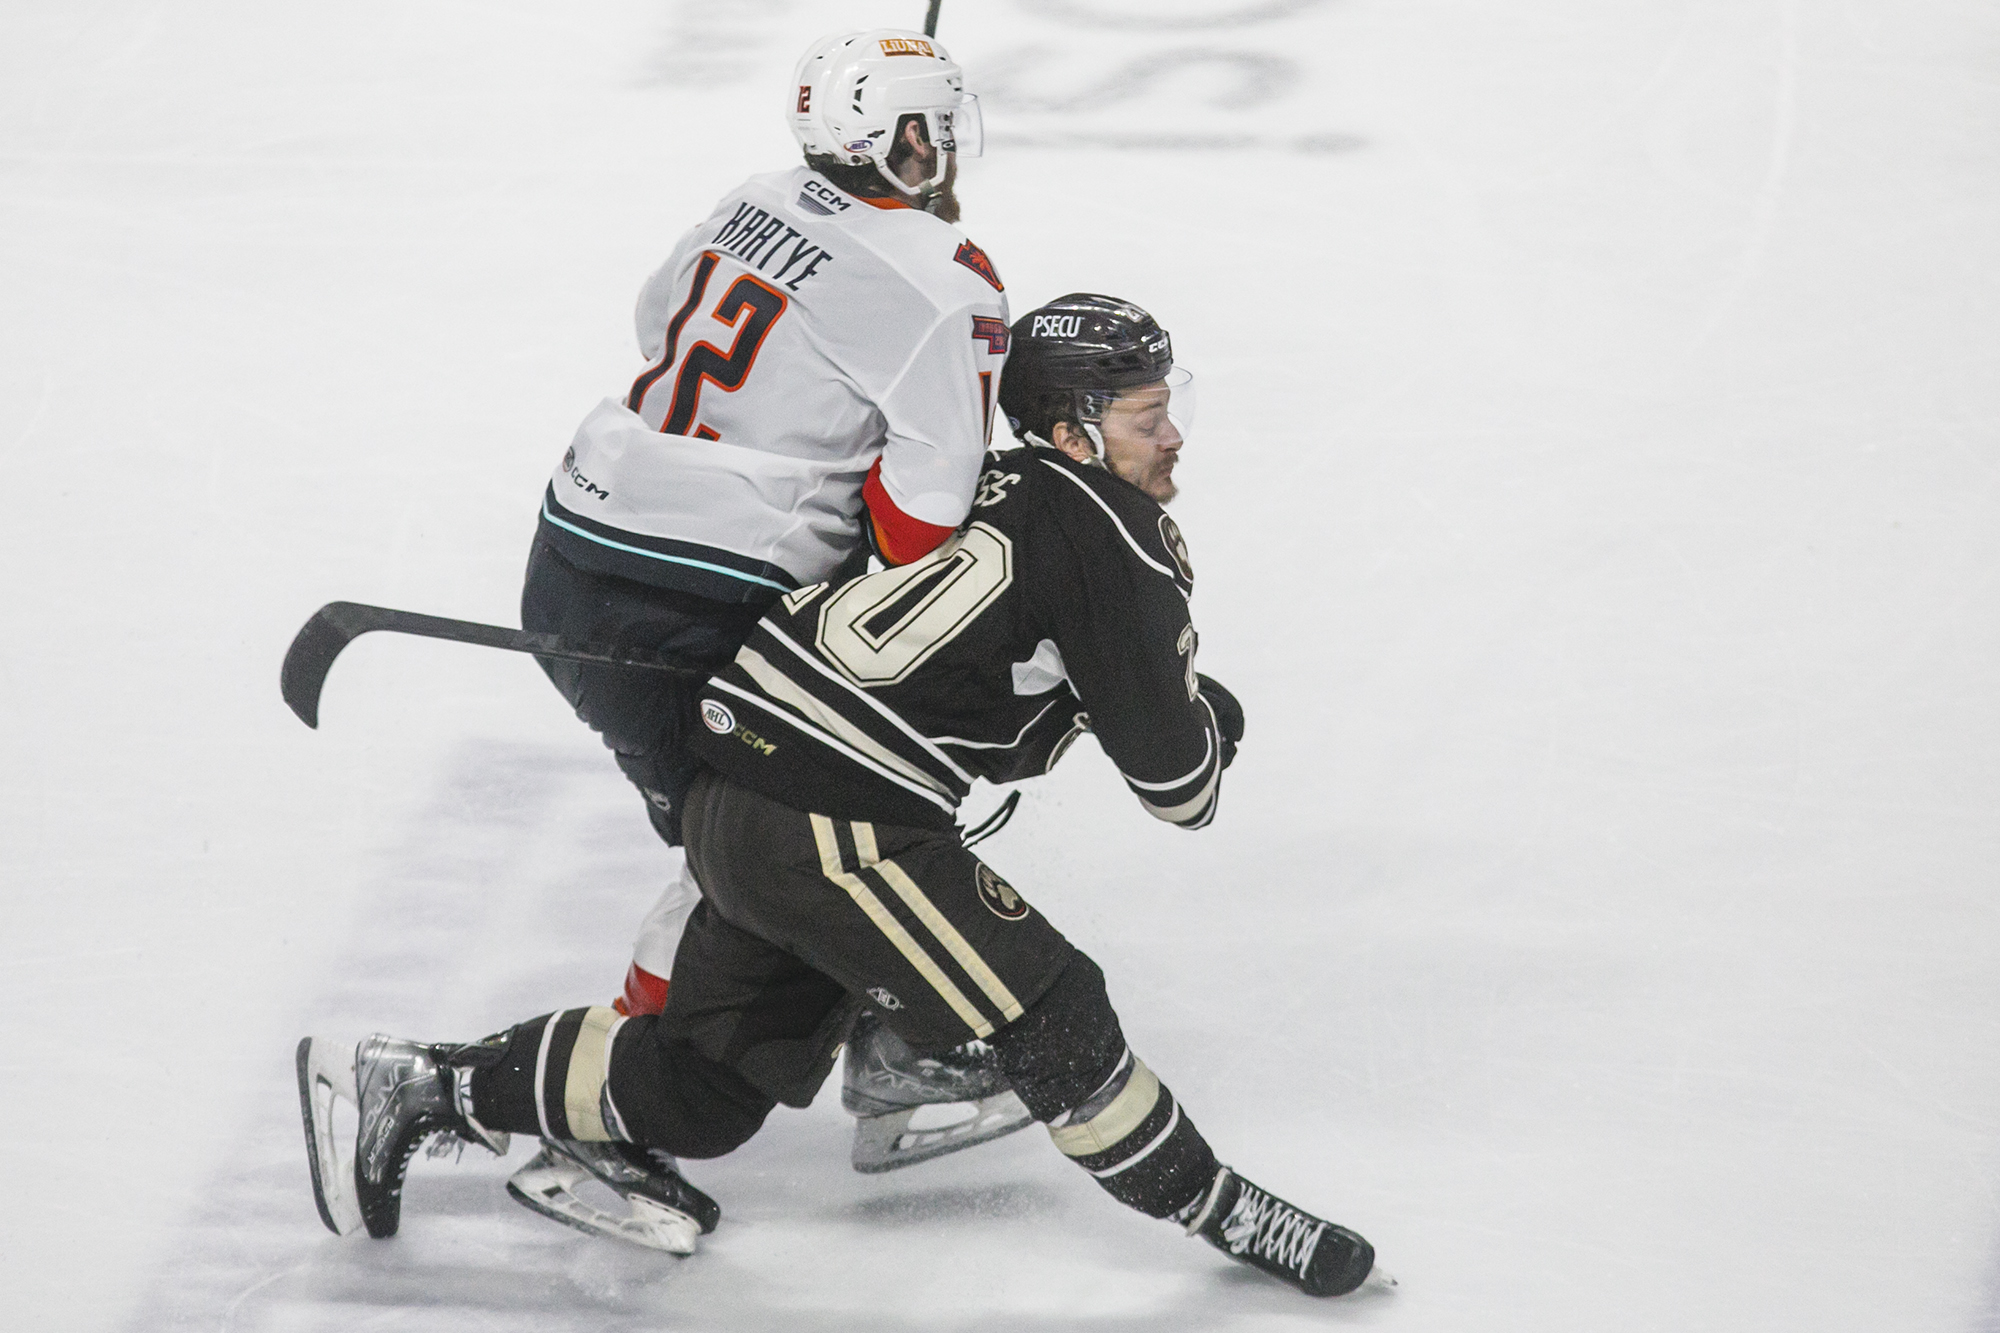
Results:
959 129
1149 413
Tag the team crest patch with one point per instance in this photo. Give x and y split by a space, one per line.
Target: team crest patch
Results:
999 895
975 259
993 332
717 718
1170 533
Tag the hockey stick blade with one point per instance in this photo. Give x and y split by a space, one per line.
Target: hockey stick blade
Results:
337 624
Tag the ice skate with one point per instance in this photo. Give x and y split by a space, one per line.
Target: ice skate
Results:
885 1085
402 1092
664 1211
1254 1226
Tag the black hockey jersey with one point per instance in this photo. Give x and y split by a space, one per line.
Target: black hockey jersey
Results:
1061 607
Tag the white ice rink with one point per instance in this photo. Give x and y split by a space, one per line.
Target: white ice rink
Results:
1596 504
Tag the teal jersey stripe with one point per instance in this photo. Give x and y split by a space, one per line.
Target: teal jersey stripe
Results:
656 555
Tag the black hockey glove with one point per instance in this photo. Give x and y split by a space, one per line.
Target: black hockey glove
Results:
1228 715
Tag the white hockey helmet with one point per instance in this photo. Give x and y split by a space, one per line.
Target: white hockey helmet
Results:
852 90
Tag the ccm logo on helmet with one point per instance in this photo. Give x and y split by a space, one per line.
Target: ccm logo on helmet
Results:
907 46
1057 326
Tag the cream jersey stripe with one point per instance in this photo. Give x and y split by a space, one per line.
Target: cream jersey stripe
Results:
784 689
888 715
772 706
542 1074
926 911
1127 1111
885 921
584 1086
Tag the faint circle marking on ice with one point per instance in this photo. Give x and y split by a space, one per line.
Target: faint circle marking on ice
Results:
1251 79
1146 13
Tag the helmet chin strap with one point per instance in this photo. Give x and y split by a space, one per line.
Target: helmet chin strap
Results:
939 169
902 186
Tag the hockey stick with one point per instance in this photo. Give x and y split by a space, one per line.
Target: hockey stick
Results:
930 19
338 624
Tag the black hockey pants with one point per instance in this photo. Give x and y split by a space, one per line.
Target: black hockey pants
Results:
804 915
642 715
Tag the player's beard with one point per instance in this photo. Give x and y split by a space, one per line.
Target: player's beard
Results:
942 202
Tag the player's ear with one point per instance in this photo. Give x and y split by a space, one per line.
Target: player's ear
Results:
1072 442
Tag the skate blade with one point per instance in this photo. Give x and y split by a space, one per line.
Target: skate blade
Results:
547 1185
326 1073
1379 1279
887 1143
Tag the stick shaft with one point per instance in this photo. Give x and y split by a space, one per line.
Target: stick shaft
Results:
337 624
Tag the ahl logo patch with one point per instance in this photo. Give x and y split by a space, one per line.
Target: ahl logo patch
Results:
1170 533
999 895
717 718
881 996
975 259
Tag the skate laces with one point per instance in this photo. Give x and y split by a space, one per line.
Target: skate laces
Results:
446 1143
1269 1228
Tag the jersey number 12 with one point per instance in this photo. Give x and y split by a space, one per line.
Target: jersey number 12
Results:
748 306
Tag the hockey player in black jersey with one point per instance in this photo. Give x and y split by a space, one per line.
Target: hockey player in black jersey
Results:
839 743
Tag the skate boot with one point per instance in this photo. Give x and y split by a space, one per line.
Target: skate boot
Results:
884 1084
1256 1227
663 1211
403 1092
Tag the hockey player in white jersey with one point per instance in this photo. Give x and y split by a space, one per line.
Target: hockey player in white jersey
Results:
839 743
825 350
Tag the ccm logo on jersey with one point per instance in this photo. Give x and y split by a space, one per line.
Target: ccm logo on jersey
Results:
585 484
975 259
822 199
907 46
1057 326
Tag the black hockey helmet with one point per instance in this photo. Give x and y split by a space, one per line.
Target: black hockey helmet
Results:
1069 358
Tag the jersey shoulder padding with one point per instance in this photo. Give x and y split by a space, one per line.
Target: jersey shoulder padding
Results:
1099 510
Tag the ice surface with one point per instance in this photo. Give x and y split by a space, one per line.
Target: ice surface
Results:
1596 502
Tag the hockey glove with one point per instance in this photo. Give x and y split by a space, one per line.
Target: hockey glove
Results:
1228 715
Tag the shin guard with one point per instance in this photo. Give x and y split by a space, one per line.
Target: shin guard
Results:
553 1078
1067 1058
1133 1139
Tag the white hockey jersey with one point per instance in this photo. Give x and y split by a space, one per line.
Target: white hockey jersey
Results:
796 336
